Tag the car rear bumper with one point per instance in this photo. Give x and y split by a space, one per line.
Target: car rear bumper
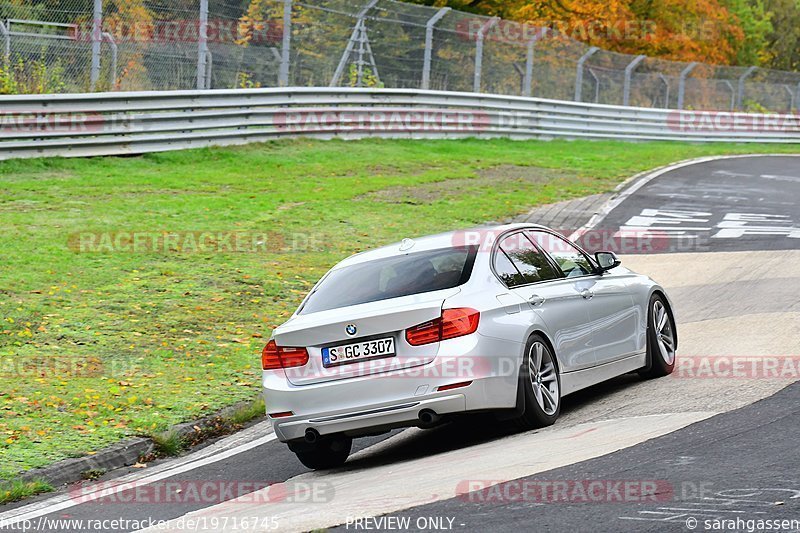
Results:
400 415
377 402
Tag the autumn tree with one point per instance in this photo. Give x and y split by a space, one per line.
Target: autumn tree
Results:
712 31
783 41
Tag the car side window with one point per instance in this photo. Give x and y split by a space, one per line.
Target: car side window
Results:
572 262
506 270
519 262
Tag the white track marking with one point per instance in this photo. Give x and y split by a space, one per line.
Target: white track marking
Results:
386 488
218 451
630 186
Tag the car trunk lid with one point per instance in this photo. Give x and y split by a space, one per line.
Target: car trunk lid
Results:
373 321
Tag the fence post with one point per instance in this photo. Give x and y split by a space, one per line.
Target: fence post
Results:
797 98
97 39
114 55
209 68
626 91
665 81
202 45
682 83
476 86
426 66
733 93
541 34
337 76
286 46
742 78
791 96
362 49
596 85
579 75
7 47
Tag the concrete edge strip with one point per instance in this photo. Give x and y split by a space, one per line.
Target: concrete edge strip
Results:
127 451
238 443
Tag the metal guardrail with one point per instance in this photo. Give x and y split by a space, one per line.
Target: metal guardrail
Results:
72 125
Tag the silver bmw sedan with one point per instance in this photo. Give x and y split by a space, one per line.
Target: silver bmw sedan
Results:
508 319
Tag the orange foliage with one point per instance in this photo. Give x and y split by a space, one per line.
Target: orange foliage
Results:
681 30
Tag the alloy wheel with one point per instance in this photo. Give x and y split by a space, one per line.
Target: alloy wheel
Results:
542 372
665 337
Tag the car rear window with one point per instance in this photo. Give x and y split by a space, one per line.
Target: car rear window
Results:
392 277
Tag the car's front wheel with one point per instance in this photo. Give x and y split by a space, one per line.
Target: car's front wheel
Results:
325 453
661 340
542 385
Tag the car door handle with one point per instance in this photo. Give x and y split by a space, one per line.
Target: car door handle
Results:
587 294
536 300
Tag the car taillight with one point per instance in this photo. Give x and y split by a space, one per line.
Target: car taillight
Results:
274 357
453 323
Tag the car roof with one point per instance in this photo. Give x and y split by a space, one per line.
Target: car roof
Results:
477 235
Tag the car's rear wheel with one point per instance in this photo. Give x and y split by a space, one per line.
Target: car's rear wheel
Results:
661 340
542 385
327 452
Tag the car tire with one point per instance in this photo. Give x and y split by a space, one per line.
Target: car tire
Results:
326 453
541 384
661 340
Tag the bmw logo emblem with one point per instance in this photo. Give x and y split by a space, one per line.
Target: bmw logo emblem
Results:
351 329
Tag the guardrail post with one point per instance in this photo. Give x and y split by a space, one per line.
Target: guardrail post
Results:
579 75
286 45
742 78
733 93
97 38
665 81
626 90
682 83
476 87
114 55
202 45
426 65
541 34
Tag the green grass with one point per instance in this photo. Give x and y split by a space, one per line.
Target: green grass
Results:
168 443
15 490
247 412
98 346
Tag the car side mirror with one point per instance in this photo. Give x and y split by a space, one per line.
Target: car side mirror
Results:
607 261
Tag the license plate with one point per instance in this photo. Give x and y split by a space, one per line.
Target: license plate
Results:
355 353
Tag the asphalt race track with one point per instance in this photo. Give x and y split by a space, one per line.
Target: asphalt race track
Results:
715 442
742 464
750 203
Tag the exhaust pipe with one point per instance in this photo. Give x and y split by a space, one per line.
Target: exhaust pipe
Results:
312 435
428 418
